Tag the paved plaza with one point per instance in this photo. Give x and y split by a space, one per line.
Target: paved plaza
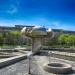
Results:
37 62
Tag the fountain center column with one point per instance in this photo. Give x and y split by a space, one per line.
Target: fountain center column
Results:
36 44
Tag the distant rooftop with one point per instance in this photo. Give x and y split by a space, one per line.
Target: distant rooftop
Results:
19 27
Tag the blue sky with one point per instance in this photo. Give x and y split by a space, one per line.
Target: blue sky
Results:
49 13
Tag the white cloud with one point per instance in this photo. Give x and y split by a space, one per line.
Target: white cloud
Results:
59 25
12 10
54 24
13 6
39 22
5 24
50 24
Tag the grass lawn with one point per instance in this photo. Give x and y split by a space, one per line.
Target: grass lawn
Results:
14 46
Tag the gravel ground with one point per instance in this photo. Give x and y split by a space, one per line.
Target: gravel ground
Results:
37 62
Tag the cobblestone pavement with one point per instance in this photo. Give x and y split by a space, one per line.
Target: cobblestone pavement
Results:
21 68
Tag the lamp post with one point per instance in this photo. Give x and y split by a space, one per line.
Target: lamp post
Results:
29 55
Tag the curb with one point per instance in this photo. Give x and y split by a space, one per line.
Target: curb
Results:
11 60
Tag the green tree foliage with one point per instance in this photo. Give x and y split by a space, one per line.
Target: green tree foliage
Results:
15 34
13 37
53 41
68 39
63 38
1 38
72 39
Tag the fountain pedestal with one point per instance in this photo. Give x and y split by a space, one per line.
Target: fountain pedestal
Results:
36 44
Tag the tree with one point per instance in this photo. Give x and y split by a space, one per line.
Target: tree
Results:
52 41
63 38
72 39
1 38
68 39
14 37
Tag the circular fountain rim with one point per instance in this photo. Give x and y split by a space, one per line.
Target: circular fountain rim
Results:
65 68
58 65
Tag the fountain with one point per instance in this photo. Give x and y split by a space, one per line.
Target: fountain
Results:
37 34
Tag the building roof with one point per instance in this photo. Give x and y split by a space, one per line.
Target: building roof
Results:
19 27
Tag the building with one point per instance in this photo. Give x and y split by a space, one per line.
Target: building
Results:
16 28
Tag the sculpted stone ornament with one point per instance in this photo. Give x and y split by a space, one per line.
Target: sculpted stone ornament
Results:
37 34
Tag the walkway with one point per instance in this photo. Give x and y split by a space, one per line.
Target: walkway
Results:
21 68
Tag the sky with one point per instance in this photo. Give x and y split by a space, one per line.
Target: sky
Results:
58 14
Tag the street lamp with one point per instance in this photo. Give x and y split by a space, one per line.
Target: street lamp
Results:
29 56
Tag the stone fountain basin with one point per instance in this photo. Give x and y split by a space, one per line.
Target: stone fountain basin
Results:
59 68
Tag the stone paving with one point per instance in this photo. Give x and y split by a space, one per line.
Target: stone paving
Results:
21 68
64 53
